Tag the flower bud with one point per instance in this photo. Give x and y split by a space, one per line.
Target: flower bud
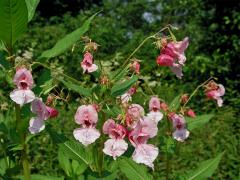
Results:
184 98
190 113
52 112
135 66
164 106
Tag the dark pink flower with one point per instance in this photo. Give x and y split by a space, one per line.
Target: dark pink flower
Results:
87 63
24 82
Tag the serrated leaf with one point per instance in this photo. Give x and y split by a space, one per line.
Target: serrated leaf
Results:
132 170
31 7
13 20
205 169
67 41
77 88
121 88
198 121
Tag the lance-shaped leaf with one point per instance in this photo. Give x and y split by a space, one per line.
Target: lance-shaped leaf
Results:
77 88
31 7
121 88
133 170
205 169
198 121
175 104
68 41
13 20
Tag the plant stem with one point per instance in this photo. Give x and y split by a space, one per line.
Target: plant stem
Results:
168 161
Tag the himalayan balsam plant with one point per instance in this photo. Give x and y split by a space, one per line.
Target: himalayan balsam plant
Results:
113 135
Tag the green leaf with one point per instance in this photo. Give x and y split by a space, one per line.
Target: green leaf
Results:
175 104
205 169
31 7
121 88
73 149
13 20
64 162
77 88
132 170
119 74
2 46
198 121
68 41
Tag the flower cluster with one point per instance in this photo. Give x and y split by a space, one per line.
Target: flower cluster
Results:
23 94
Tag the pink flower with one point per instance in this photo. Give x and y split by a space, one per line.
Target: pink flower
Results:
216 94
115 147
144 153
115 131
155 116
180 133
24 82
173 56
154 104
43 112
87 63
135 66
86 116
126 97
86 135
134 113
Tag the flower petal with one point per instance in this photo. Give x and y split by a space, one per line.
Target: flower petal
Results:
36 125
115 147
92 68
177 70
22 96
86 135
146 154
155 116
181 134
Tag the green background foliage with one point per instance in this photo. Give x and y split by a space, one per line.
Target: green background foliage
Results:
213 28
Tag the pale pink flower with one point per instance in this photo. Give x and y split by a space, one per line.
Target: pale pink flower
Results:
86 116
87 63
155 116
115 147
24 82
217 94
154 104
126 97
145 154
134 113
43 112
179 124
86 135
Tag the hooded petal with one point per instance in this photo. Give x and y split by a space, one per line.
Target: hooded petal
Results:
181 134
115 147
145 154
86 115
22 96
154 104
155 116
40 109
165 60
109 124
86 135
23 76
36 125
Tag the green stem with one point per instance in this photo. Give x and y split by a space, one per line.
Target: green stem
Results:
168 161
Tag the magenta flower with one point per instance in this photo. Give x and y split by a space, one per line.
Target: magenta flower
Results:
179 124
217 94
115 146
86 116
87 63
154 108
24 82
144 153
43 112
173 56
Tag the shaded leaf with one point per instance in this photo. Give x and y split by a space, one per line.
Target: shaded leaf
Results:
121 88
68 41
13 20
198 121
132 170
175 104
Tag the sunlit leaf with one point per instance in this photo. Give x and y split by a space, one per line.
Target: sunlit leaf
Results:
31 7
198 121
